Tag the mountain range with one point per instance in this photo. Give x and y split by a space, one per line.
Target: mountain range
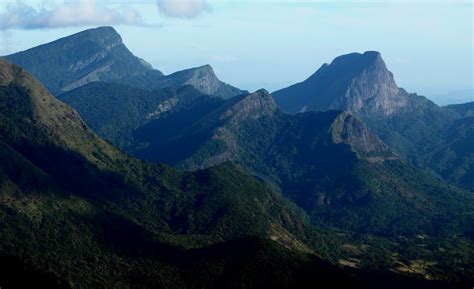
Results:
414 127
344 168
61 185
99 55
78 213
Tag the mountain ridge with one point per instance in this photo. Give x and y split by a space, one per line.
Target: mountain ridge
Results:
72 61
202 78
99 54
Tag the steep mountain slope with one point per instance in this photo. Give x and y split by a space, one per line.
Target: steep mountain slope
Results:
90 55
121 114
73 205
359 83
410 124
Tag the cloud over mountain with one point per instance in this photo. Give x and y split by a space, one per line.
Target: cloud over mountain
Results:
20 15
182 8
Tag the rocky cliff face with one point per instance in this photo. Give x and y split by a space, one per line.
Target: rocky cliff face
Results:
360 83
73 61
254 105
372 91
202 79
350 130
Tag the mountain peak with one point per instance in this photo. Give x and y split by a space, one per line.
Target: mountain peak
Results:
254 105
96 54
200 73
105 35
356 82
360 59
350 130
201 78
205 68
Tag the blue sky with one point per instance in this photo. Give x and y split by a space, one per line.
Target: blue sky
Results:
428 45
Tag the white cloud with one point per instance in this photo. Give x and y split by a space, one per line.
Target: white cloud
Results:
182 8
19 15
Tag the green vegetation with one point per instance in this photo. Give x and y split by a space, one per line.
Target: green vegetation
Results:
122 114
76 212
365 189
436 139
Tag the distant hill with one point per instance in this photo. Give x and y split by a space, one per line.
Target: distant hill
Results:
454 97
464 109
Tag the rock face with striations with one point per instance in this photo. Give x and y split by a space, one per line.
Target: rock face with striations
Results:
254 105
91 55
355 82
202 79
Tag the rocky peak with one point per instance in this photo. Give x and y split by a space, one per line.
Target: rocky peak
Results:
352 131
204 78
201 78
360 83
372 90
254 105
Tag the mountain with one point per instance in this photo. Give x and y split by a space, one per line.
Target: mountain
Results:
412 126
329 164
121 113
202 79
453 157
75 206
77 213
359 83
73 61
464 109
100 55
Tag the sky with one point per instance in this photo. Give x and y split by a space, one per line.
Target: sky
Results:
428 45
